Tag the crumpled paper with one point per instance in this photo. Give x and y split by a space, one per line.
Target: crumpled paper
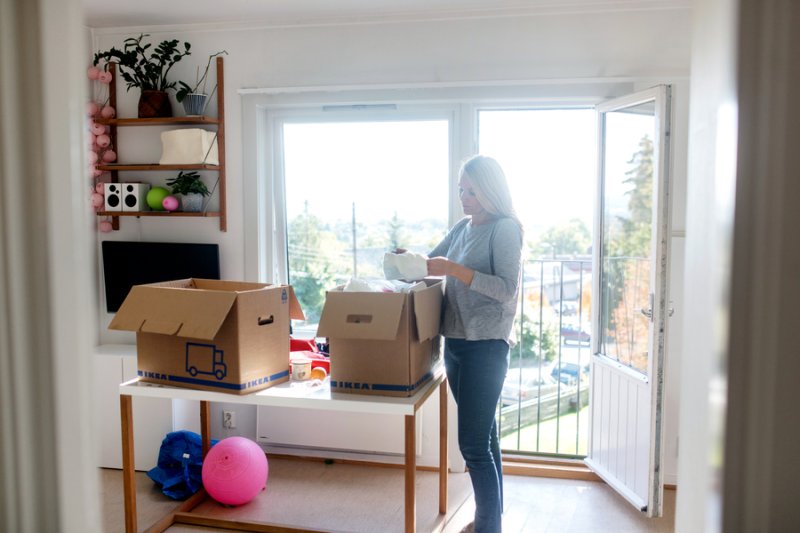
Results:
407 266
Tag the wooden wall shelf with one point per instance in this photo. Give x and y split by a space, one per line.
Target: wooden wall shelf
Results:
198 120
155 166
160 121
166 214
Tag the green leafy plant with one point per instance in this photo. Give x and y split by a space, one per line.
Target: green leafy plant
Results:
138 69
187 182
185 88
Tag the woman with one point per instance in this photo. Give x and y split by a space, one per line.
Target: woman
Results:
480 256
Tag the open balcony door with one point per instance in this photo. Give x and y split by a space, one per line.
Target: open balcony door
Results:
631 246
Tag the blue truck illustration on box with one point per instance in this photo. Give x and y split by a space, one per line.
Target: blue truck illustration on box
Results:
205 359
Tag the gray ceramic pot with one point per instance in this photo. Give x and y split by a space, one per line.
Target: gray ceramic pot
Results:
194 104
192 202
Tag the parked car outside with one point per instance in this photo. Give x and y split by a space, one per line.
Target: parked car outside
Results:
571 333
565 308
524 384
567 373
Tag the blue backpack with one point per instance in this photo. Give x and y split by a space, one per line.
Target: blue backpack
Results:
180 464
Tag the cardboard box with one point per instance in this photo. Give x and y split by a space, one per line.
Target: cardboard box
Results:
382 343
224 336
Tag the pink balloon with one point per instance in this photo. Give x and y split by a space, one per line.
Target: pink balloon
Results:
92 158
109 156
108 112
93 73
97 200
98 129
235 470
96 172
103 140
104 226
99 188
104 77
170 203
92 108
92 138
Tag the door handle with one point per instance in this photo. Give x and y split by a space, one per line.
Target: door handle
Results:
649 311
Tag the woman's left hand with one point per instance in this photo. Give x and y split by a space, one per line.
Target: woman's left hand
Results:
438 266
441 266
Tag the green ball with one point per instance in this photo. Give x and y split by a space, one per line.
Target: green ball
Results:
155 198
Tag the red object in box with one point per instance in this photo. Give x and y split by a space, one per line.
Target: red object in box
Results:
299 345
307 349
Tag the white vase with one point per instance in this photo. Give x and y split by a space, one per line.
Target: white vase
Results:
192 202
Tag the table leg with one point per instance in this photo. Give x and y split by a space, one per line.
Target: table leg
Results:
443 447
411 469
205 425
128 472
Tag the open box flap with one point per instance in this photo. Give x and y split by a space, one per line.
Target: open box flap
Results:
295 311
428 311
361 315
183 312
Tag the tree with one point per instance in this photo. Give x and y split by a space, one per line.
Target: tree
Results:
572 238
314 260
635 239
529 348
396 236
627 261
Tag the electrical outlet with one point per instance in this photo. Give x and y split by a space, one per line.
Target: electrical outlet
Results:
229 419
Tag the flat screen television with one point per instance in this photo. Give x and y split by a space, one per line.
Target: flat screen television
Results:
127 263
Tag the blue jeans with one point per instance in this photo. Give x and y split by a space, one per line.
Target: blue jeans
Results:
476 371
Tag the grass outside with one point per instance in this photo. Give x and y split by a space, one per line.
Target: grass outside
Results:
567 427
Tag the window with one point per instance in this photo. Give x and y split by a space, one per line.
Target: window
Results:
355 189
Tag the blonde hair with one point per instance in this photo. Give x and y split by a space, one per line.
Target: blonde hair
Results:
491 188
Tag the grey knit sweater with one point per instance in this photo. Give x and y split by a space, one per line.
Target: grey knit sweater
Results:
485 309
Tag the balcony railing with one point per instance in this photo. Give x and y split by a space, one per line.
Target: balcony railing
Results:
543 408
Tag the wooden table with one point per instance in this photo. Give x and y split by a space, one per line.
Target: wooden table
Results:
283 395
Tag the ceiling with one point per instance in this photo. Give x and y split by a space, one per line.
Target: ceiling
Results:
124 13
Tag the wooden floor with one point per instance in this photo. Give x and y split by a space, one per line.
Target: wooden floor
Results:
353 498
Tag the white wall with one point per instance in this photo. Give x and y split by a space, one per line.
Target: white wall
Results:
643 47
709 224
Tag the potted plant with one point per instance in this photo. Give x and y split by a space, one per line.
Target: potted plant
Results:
147 72
194 97
191 188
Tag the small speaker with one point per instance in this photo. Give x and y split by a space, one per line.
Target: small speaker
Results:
113 195
134 196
